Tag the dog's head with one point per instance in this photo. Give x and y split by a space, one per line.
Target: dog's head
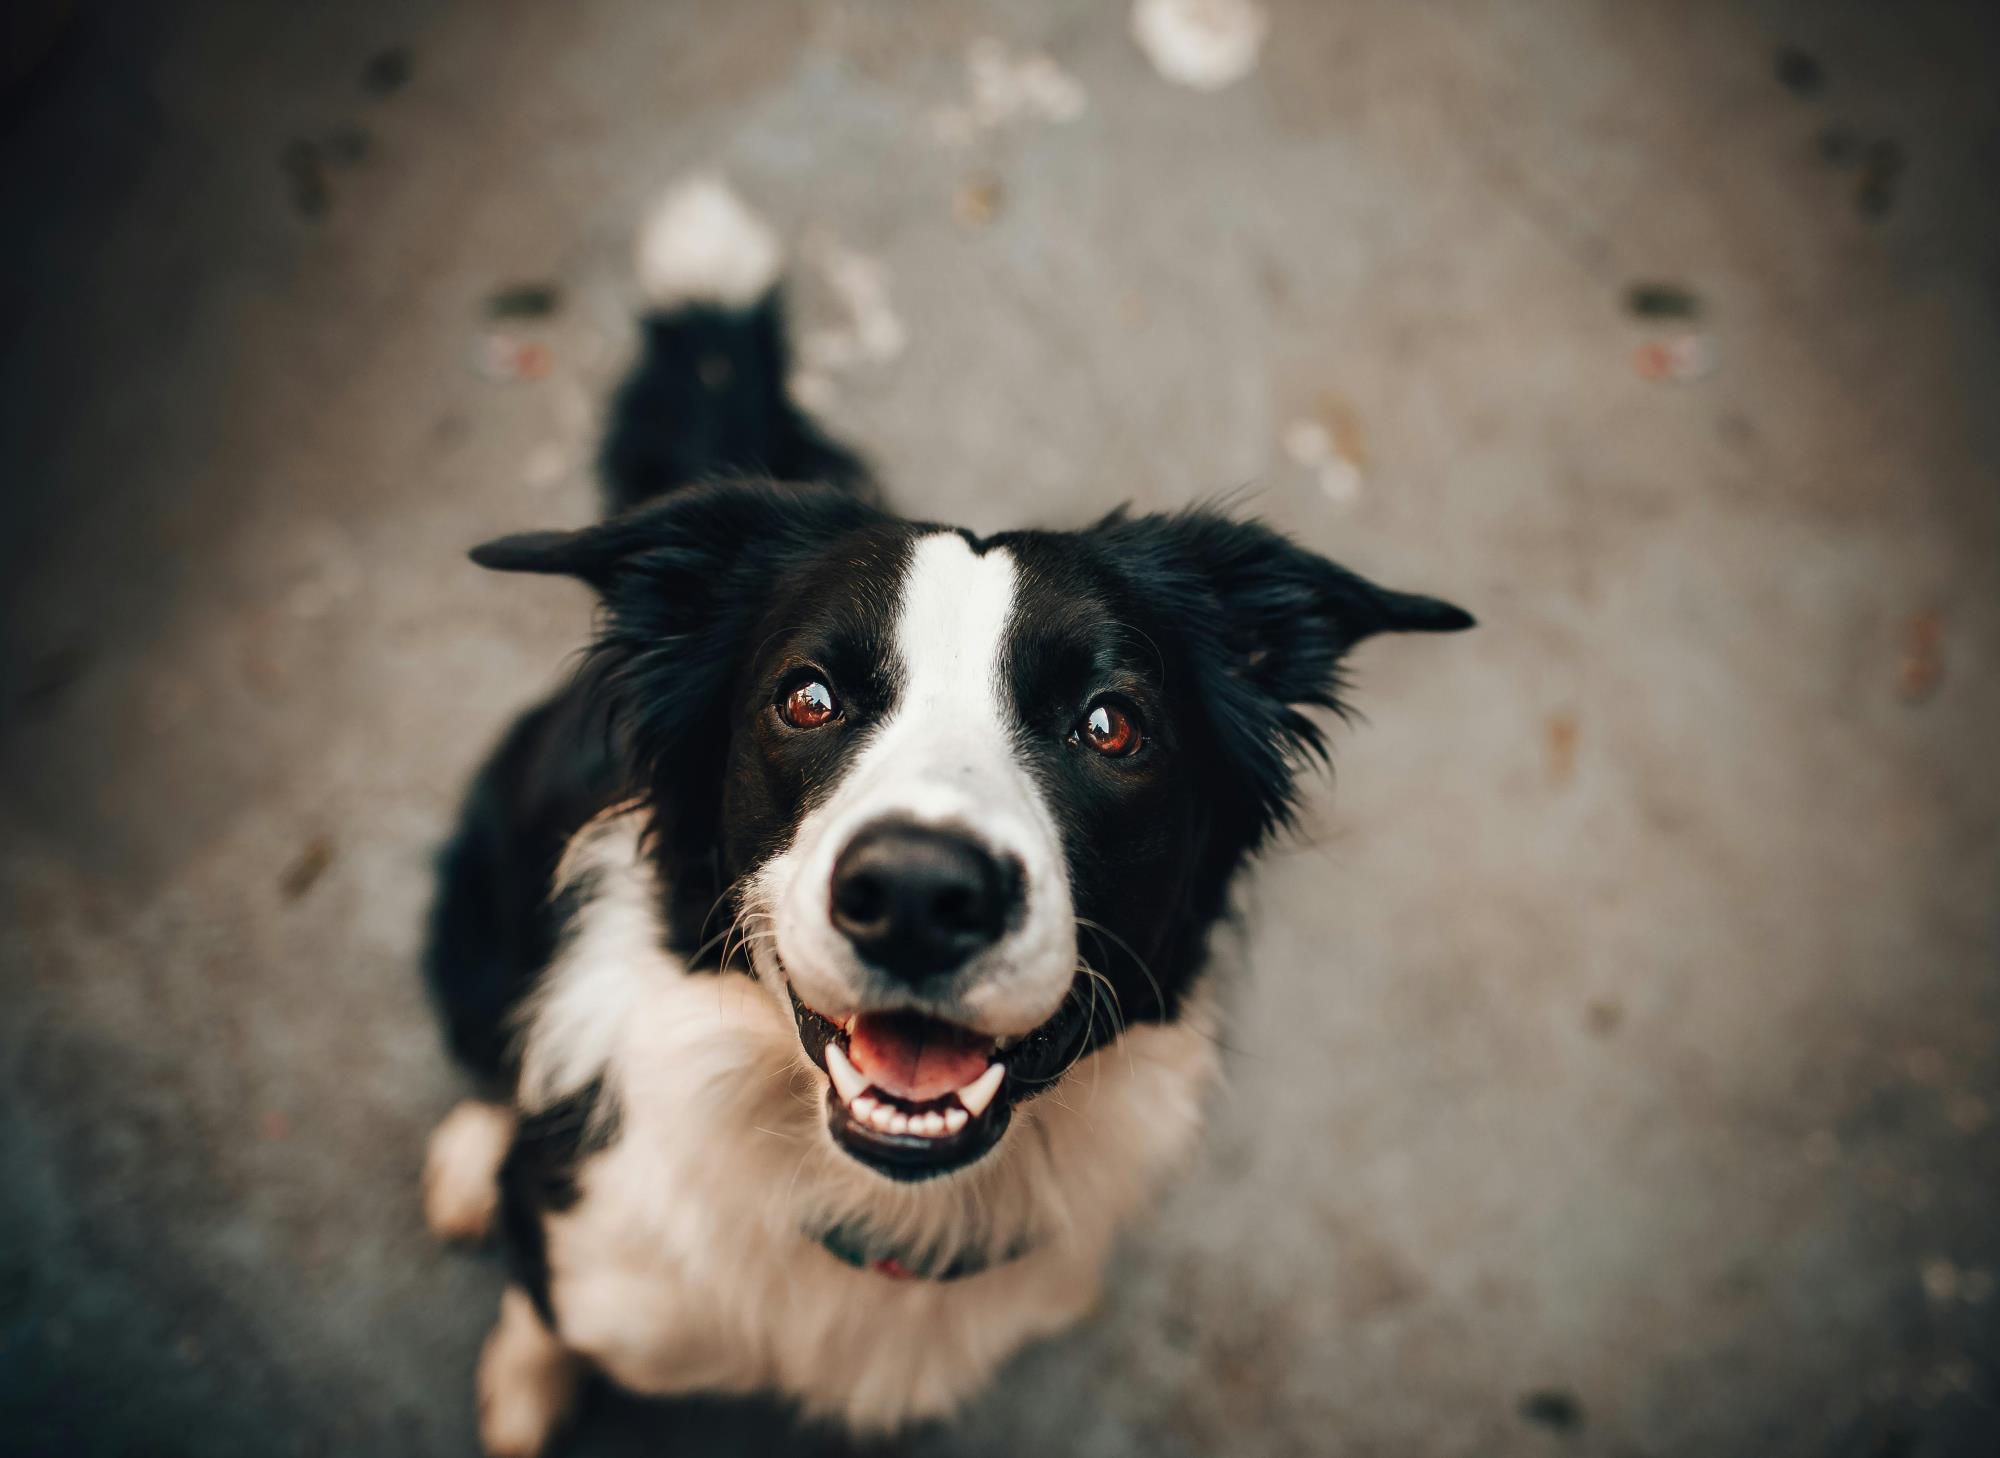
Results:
968 806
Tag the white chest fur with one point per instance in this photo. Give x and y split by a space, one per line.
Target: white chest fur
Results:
685 1264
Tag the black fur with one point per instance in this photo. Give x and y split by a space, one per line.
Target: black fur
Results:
707 400
539 1179
494 925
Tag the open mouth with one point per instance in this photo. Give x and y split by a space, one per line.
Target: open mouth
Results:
913 1096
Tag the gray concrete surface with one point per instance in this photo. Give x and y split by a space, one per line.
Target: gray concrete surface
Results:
1626 1029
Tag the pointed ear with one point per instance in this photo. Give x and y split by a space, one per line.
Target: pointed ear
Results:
585 554
1287 615
694 530
682 583
1267 624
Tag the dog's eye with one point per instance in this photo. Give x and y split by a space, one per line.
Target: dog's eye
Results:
1110 729
808 704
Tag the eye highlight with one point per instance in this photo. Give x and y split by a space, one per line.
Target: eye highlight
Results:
808 704
1111 729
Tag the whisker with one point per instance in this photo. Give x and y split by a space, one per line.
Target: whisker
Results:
1101 930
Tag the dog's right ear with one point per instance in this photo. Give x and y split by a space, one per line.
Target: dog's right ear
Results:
566 554
684 581
694 526
721 528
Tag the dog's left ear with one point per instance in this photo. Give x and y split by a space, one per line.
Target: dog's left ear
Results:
1268 624
1287 616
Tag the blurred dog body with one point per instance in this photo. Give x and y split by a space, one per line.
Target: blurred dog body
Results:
837 944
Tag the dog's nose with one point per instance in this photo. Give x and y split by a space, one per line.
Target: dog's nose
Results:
916 901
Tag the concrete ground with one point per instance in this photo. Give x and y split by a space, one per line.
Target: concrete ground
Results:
1620 1070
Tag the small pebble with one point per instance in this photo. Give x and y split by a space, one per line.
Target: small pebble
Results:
1968 1113
1560 734
306 868
1882 164
305 171
1918 673
1940 1280
346 146
546 466
977 201
524 301
1683 358
1799 72
504 359
1551 1407
1662 301
1925 1066
388 71
1838 146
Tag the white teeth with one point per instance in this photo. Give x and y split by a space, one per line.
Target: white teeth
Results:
864 1106
979 1093
847 1079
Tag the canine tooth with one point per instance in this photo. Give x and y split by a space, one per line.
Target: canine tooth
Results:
881 1117
955 1120
899 1124
862 1107
979 1093
847 1079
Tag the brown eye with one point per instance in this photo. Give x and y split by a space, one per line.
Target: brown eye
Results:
808 705
1110 730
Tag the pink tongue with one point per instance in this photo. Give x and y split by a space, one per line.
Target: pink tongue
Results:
916 1058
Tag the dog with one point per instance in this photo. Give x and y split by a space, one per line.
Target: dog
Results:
834 945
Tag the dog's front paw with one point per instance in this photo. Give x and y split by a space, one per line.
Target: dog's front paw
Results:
527 1382
462 1170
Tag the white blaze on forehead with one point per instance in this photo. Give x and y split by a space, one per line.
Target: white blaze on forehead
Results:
945 755
951 630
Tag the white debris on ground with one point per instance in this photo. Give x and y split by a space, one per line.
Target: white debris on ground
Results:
870 334
1311 445
547 466
1006 88
1205 44
1328 443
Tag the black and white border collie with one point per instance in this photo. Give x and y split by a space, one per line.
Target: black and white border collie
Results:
834 943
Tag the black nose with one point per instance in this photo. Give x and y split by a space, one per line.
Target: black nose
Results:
916 902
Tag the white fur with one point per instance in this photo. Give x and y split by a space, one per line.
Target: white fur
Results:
685 1265
527 1382
945 756
702 245
461 1167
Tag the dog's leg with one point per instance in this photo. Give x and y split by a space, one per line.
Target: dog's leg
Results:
527 1381
462 1170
